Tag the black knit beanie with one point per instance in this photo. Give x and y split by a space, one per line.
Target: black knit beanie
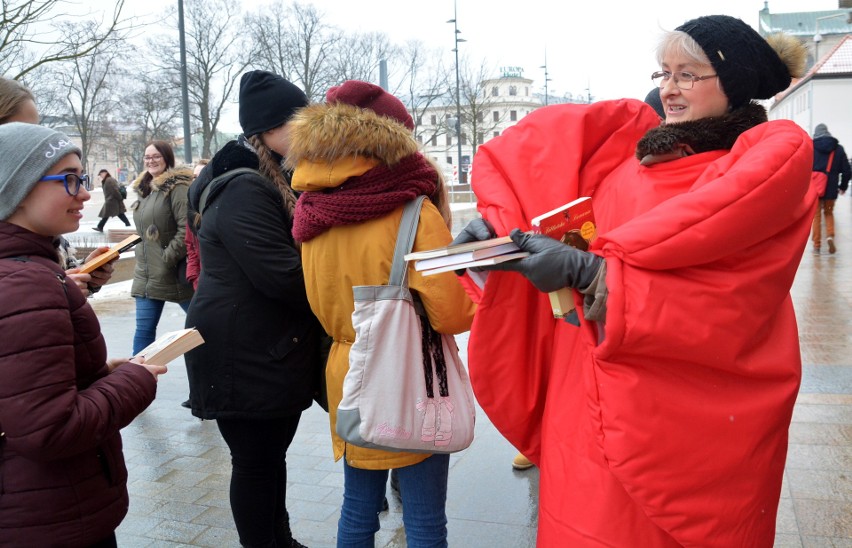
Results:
267 101
747 65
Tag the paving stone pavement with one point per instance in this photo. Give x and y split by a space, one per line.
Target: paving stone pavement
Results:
179 466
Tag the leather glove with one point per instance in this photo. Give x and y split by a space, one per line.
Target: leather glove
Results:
551 265
477 229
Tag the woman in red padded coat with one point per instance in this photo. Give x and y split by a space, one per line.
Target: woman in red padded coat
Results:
662 419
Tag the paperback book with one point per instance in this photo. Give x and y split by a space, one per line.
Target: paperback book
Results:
113 253
467 255
572 224
170 346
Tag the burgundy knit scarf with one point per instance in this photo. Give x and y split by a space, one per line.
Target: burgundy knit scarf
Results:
368 196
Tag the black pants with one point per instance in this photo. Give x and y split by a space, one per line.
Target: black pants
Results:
104 220
259 478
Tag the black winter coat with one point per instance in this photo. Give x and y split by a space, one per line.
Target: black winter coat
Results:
840 171
63 481
251 308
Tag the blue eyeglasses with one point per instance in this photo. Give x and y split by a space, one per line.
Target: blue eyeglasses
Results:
72 182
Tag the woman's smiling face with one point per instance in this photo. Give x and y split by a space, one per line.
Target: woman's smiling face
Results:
706 99
154 161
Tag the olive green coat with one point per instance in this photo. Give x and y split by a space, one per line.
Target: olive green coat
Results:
160 219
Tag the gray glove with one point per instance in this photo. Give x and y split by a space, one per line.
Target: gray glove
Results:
477 229
551 265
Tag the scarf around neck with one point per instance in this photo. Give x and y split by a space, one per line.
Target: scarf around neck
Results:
369 196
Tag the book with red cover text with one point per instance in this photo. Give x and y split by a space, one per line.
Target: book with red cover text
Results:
572 224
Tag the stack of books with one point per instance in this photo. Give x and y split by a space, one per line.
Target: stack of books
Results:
467 255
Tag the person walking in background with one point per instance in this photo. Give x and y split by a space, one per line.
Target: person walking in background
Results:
830 158
256 373
17 104
113 201
160 218
662 420
357 163
62 402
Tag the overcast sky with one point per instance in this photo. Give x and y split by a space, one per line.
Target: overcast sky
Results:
605 46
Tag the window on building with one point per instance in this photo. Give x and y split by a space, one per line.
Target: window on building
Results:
495 91
496 116
526 91
463 139
513 115
449 140
434 141
434 119
449 160
496 134
480 116
513 90
480 137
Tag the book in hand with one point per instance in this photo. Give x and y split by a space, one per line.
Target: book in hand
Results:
572 224
170 346
476 262
113 253
466 255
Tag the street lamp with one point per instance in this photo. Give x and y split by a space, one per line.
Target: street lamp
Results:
546 79
462 174
187 143
818 37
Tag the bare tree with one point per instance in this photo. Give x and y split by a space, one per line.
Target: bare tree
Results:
150 107
28 40
421 81
87 83
215 56
294 42
476 103
357 56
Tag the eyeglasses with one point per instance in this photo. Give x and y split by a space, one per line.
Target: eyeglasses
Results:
153 158
72 182
682 79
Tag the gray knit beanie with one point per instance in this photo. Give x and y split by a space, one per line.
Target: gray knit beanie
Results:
29 152
821 130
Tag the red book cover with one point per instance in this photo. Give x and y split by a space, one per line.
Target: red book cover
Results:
572 223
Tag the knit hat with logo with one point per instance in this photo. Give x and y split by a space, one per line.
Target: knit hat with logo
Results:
29 153
267 101
372 97
749 65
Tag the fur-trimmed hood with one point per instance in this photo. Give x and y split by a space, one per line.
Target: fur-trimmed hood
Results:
324 133
165 181
671 141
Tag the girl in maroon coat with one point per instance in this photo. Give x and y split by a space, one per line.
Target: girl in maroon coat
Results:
62 403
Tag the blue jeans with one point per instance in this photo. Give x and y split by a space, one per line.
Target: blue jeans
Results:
423 488
148 312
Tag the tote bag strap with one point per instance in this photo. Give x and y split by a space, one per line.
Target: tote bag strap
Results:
405 240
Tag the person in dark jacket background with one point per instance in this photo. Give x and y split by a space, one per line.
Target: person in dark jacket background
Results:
839 174
113 202
63 481
255 374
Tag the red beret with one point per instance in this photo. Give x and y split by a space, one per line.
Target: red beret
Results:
372 97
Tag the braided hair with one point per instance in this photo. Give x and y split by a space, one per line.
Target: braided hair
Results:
270 167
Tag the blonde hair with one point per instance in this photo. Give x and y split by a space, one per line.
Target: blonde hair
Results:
680 43
440 198
12 95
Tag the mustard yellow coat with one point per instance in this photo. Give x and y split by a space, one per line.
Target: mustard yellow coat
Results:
361 254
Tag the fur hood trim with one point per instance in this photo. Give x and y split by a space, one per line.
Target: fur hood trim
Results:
323 133
165 181
670 141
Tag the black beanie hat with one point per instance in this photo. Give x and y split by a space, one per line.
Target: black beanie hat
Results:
747 65
267 101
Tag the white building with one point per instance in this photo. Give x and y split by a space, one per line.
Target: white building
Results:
497 104
822 96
